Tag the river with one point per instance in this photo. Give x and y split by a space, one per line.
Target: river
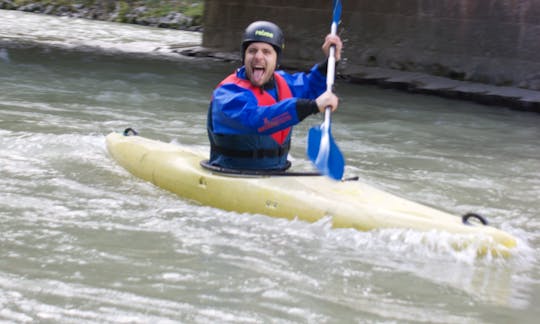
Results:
83 241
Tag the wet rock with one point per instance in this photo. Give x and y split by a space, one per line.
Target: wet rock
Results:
61 11
32 7
7 4
532 82
199 51
174 20
49 9
140 10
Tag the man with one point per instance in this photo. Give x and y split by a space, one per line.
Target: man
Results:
252 111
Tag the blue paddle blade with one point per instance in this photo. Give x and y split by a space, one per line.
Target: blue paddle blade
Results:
324 153
321 148
337 11
314 141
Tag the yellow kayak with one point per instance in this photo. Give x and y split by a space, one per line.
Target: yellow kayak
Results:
310 198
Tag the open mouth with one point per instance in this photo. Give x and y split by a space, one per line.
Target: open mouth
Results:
258 73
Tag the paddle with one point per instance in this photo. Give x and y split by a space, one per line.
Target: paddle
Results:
321 148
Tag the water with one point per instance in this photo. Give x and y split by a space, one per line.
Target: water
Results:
84 241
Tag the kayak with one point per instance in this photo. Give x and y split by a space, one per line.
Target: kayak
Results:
308 197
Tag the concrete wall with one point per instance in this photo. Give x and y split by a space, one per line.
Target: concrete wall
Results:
490 41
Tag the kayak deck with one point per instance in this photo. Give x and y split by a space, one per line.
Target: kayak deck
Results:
310 198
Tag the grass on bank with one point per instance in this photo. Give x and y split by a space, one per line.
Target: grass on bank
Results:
155 8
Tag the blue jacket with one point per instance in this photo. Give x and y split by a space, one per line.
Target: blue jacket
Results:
242 133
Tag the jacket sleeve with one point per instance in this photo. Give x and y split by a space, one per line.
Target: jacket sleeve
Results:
235 111
308 85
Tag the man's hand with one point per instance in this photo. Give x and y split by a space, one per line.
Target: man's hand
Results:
327 99
332 40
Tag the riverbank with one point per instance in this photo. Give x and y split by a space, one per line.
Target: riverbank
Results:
18 30
511 97
162 43
174 14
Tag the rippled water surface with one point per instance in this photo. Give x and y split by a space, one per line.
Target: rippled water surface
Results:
82 240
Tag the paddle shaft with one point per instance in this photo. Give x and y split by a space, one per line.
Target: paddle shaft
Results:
321 148
330 76
330 73
331 69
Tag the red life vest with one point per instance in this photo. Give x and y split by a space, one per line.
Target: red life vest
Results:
264 98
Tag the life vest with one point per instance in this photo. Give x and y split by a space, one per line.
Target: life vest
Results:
242 151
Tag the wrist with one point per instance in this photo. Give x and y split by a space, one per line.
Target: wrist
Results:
306 107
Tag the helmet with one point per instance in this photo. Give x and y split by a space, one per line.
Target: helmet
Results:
266 32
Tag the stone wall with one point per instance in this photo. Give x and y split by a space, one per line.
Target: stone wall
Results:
489 41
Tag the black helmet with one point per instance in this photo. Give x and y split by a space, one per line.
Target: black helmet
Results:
266 32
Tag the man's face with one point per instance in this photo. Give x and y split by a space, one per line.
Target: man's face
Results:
260 62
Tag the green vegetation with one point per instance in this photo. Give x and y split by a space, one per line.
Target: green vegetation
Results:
124 8
123 11
190 8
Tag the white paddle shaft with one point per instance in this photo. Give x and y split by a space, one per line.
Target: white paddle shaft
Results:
330 74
